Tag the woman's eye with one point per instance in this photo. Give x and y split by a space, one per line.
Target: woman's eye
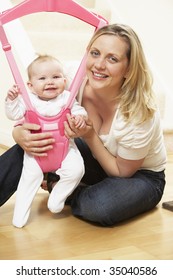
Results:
94 53
112 59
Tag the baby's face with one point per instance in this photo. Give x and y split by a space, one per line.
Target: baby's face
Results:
47 80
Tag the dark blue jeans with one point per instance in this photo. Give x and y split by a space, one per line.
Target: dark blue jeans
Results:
11 163
109 200
104 200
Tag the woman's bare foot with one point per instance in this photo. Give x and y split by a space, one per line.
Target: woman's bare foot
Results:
50 180
44 185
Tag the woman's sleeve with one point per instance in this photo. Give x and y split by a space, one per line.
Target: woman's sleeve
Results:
136 142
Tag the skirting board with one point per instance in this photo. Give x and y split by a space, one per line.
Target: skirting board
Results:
6 138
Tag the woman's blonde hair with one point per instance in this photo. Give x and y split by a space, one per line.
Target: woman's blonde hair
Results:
137 101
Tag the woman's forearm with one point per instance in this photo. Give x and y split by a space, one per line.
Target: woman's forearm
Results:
106 160
102 155
36 144
113 166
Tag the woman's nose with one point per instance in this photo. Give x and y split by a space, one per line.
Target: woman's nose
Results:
100 63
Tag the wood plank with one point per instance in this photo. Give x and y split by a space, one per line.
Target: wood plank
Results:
62 236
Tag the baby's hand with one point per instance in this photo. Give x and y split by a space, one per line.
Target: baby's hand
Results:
79 121
13 92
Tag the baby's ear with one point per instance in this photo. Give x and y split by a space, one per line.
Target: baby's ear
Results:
29 84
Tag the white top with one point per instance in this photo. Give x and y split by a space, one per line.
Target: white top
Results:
16 108
136 141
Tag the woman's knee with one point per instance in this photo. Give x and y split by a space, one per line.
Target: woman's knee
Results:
93 211
103 218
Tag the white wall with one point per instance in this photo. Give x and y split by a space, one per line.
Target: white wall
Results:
151 19
24 53
153 22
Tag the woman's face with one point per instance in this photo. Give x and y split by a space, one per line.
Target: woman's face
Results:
107 63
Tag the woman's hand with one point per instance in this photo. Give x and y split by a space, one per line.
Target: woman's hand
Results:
72 131
36 144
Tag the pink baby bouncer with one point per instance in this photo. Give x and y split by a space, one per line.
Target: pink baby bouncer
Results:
55 124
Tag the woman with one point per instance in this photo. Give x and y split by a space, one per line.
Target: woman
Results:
122 143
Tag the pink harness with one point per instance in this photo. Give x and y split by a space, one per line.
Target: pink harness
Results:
54 124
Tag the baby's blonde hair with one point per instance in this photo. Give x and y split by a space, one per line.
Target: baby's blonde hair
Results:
39 59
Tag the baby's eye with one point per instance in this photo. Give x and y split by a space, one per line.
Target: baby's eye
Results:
57 77
42 78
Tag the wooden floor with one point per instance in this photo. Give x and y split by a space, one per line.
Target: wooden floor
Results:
50 236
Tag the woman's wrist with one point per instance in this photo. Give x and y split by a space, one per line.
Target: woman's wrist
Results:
15 132
89 134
